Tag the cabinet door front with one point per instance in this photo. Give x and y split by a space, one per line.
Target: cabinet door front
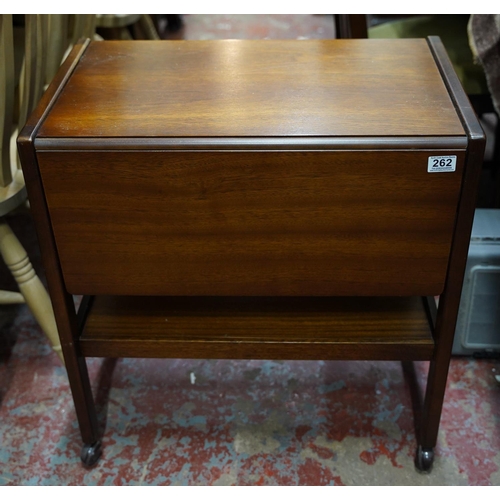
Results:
252 223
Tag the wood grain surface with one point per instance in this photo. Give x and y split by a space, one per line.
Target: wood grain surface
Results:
355 214
254 88
258 328
251 223
62 302
449 302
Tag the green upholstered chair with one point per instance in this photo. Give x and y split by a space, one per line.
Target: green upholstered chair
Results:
452 29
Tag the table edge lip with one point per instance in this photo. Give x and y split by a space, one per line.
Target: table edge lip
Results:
251 143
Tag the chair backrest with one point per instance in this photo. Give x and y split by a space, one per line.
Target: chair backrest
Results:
82 25
32 82
63 31
58 43
44 41
20 95
7 89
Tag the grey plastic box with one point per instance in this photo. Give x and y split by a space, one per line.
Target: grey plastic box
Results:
478 322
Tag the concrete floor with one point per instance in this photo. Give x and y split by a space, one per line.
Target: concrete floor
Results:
223 422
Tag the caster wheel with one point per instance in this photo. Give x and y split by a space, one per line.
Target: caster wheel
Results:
424 459
91 453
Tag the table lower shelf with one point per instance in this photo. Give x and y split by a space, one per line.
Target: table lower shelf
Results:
257 328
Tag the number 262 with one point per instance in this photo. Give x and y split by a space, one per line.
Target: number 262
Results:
443 162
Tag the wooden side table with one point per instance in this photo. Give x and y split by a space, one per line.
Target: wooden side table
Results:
255 199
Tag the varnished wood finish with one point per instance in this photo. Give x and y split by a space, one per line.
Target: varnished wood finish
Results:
62 301
254 88
450 299
307 223
257 328
283 168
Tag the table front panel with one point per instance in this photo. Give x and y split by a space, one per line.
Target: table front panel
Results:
251 223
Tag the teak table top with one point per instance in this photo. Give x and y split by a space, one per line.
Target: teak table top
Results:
265 88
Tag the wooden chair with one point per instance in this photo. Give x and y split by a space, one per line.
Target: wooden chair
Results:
63 31
26 67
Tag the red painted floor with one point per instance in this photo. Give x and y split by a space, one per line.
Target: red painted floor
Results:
209 422
253 26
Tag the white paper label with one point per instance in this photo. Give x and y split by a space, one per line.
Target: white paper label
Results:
442 164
